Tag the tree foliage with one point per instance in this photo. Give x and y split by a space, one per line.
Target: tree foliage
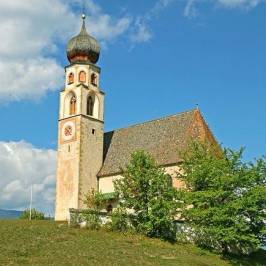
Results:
119 220
147 192
94 200
225 199
35 215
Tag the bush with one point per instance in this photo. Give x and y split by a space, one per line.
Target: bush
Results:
35 215
93 220
95 201
119 220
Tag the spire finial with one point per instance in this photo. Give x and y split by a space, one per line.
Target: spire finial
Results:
83 28
83 10
83 16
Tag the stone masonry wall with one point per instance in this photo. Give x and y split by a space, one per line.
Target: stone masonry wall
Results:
91 156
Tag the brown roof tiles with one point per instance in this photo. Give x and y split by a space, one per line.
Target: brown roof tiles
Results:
162 139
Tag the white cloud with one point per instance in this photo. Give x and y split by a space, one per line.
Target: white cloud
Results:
141 33
107 29
191 10
30 32
158 7
30 36
240 3
140 29
29 79
20 165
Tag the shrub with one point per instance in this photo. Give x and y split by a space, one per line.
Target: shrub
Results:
119 220
93 220
94 200
35 215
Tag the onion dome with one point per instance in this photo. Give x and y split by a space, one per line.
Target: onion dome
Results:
83 47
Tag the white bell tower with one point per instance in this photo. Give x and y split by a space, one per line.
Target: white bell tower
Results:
81 125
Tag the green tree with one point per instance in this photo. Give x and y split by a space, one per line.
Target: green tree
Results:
35 215
119 220
94 200
148 193
225 199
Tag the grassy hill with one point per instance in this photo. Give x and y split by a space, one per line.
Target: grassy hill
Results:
48 243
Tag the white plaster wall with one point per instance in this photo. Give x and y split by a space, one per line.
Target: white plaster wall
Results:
106 184
76 69
67 177
64 102
82 94
98 103
172 171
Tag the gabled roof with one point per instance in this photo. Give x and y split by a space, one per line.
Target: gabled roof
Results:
163 139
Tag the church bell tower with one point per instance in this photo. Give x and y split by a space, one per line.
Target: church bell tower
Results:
80 126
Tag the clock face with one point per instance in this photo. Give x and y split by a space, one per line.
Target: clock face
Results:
68 131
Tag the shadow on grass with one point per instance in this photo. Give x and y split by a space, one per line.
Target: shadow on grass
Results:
256 259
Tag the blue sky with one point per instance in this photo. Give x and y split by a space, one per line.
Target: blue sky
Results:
159 57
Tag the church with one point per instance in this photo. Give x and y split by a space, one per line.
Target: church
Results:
89 158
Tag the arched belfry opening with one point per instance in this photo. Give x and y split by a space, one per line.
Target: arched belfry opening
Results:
94 79
82 76
71 78
90 105
93 105
73 105
70 104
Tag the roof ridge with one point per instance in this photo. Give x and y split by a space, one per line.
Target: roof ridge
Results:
153 120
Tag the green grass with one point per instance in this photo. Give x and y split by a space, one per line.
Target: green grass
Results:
48 243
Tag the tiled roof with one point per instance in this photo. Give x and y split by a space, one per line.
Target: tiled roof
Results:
162 139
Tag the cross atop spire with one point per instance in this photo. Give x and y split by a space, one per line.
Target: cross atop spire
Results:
83 10
83 28
83 16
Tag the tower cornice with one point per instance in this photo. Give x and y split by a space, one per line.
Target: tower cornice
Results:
94 67
85 87
82 115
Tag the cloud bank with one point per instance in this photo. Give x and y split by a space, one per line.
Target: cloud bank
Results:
192 6
30 37
21 165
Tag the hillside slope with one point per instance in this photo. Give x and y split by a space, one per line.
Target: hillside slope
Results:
48 243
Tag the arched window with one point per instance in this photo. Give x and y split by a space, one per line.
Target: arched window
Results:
73 105
94 79
90 104
71 78
82 76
